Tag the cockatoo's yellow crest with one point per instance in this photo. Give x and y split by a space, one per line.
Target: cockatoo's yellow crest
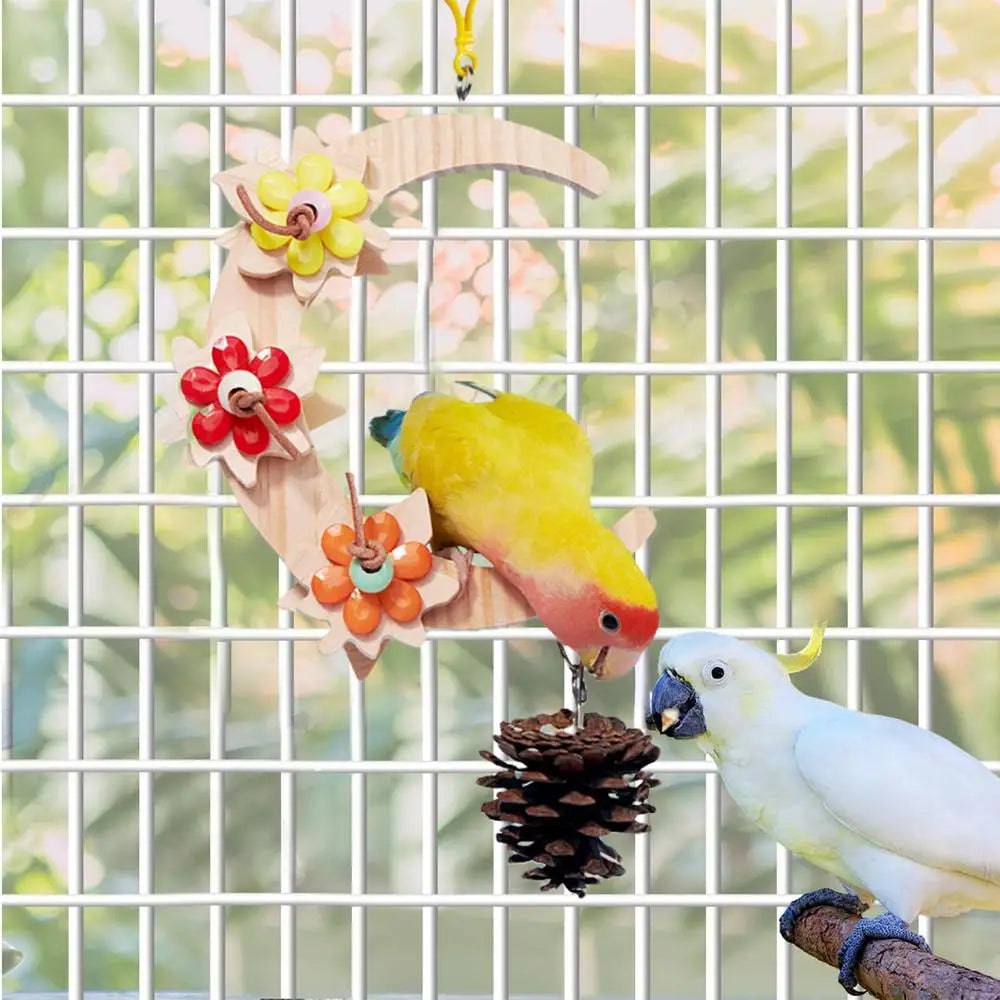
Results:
808 654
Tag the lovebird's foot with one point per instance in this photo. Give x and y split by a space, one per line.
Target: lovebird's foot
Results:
887 927
462 558
821 897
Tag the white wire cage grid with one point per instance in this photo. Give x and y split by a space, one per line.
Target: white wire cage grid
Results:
712 900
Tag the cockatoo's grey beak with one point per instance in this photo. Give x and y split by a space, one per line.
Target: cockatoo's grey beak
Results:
674 708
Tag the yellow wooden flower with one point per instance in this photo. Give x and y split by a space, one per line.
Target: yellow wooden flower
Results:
309 217
319 210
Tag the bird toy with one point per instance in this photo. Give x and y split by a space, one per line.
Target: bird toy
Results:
246 396
572 780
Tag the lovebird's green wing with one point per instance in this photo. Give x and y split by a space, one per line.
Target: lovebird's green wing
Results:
905 789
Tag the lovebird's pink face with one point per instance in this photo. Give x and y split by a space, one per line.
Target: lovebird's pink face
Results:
589 622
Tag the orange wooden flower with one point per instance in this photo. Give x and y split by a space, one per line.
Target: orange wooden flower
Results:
372 576
373 579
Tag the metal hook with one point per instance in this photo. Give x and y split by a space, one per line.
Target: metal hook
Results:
579 684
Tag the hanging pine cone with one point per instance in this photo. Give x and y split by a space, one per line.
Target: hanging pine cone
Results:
572 790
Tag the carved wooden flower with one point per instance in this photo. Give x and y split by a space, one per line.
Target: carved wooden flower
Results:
371 577
249 405
368 605
311 218
242 396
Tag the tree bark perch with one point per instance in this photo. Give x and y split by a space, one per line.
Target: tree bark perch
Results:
891 970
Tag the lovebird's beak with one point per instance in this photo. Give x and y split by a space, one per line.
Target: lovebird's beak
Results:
616 662
675 709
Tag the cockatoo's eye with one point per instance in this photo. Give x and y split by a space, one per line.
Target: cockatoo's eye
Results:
609 621
715 673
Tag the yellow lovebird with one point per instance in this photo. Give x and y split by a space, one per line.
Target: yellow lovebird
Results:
511 479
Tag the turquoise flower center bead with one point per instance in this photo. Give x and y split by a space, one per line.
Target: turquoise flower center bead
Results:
370 583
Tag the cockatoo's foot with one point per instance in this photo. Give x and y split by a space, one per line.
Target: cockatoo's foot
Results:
887 927
821 897
462 558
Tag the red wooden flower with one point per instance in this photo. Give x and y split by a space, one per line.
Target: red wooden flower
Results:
242 396
367 593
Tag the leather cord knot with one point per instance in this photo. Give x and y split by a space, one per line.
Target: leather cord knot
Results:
368 551
298 221
251 404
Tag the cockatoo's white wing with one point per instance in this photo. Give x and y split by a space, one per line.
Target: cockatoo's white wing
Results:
904 789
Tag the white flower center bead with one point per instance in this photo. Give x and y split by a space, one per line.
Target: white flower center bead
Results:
319 203
231 381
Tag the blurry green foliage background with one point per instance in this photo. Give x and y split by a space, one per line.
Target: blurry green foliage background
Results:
966 438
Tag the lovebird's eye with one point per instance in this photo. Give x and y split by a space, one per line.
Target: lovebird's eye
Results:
609 622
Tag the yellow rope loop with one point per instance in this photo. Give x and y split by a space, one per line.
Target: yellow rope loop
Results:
465 62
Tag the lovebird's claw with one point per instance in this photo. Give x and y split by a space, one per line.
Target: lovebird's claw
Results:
887 927
821 897
462 558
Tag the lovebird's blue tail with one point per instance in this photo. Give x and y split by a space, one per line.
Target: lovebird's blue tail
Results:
385 430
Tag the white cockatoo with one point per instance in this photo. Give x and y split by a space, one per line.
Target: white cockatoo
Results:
895 812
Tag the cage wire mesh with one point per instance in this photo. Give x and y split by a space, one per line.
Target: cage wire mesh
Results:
763 338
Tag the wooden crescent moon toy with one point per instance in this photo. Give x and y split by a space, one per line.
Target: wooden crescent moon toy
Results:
246 398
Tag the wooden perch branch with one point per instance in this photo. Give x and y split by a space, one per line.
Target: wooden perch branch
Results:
891 970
